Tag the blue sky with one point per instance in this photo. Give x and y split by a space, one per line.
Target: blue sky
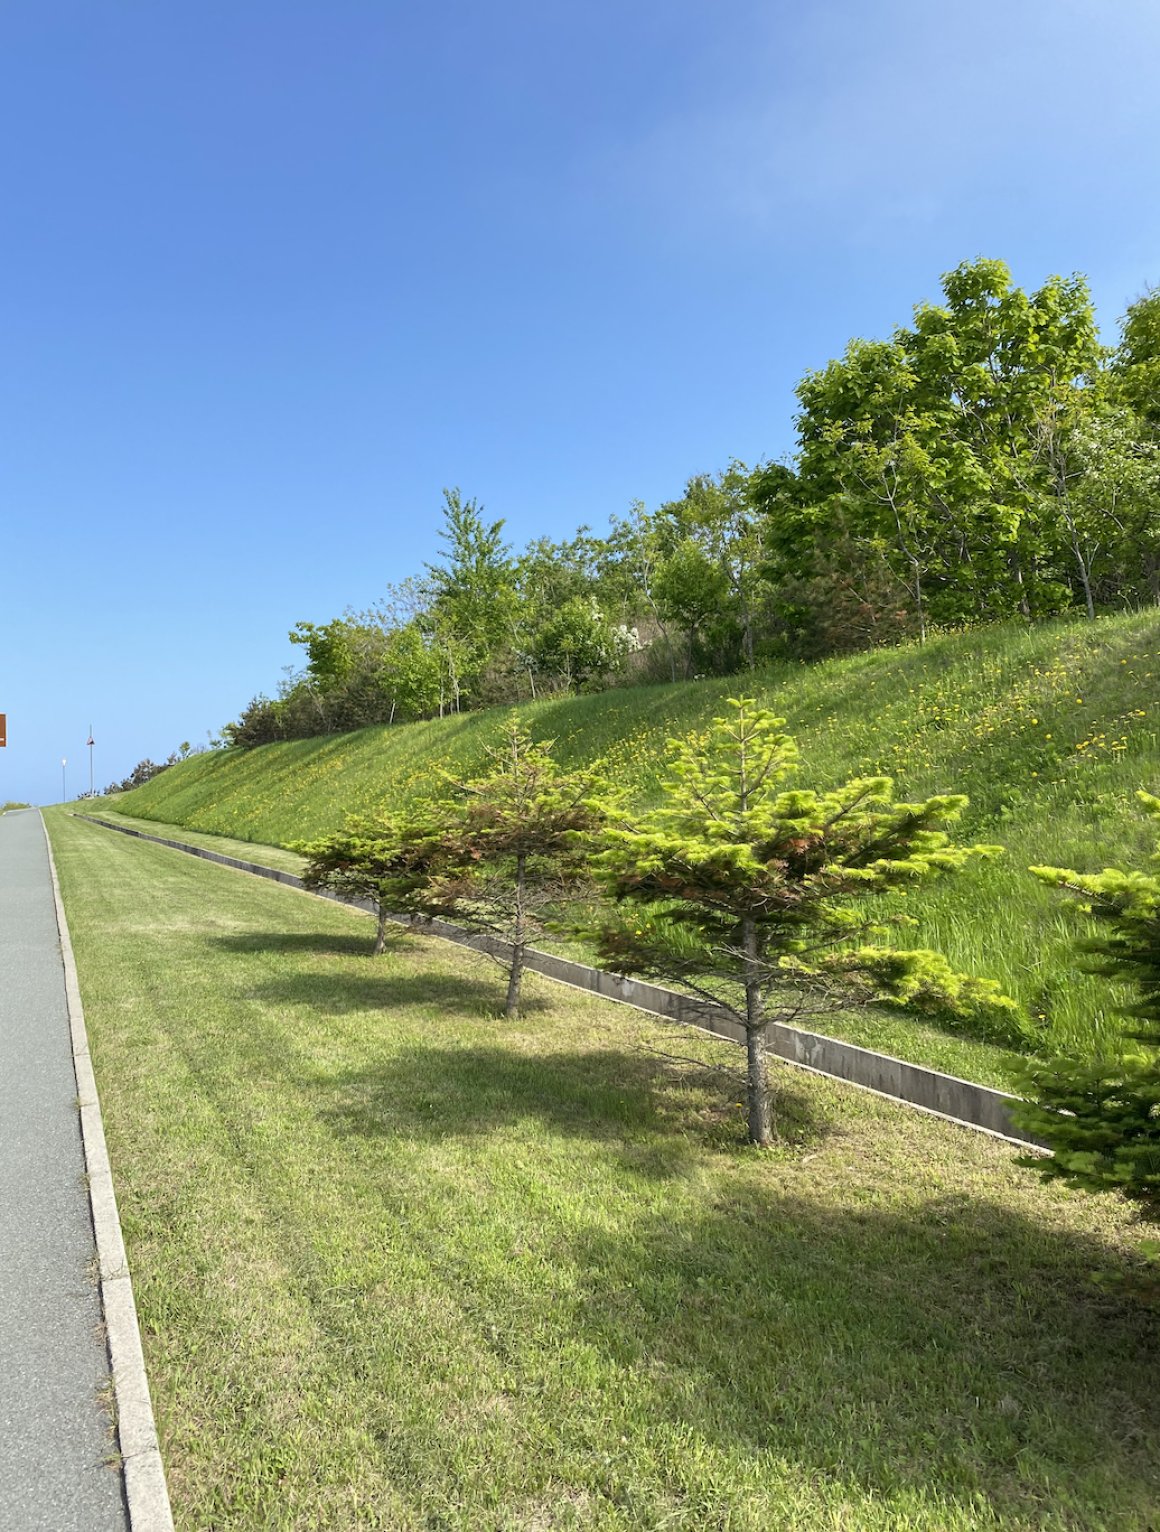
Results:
276 272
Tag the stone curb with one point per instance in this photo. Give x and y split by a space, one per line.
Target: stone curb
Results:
980 1107
143 1470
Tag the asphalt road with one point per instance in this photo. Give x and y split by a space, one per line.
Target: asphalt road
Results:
55 1432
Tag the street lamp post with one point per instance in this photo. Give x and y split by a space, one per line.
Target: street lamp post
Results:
92 742
63 788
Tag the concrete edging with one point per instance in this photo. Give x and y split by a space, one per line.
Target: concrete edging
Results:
142 1469
980 1107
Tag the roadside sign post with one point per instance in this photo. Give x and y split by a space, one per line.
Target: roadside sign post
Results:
3 728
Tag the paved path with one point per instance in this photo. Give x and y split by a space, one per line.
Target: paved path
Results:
54 1432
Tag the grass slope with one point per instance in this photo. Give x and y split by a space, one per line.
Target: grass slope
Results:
400 1265
1050 731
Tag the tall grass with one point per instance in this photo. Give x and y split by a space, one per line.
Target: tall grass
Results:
1049 730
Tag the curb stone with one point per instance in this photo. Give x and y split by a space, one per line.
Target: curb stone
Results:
143 1470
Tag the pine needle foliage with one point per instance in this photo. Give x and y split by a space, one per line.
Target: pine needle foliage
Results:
389 861
754 896
513 847
1102 1118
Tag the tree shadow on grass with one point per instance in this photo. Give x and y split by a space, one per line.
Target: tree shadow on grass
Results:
654 1112
946 1355
377 988
956 1350
324 943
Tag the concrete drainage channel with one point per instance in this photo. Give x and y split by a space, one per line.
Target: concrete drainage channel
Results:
960 1101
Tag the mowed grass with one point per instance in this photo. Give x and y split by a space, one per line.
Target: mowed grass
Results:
895 1033
1050 731
402 1265
226 845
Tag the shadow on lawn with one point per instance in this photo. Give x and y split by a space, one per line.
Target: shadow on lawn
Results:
324 943
655 1112
378 988
957 1350
951 1348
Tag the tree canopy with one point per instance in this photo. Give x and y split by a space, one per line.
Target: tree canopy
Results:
991 459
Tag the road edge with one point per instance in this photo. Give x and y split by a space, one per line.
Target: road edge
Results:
143 1472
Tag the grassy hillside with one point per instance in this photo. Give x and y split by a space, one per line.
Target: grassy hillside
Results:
1050 731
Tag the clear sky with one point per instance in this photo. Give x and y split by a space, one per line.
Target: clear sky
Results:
274 272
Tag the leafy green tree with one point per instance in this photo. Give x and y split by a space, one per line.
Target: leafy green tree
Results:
412 670
389 862
710 579
1104 476
754 897
472 601
630 562
576 643
1101 1118
513 846
927 444
1136 363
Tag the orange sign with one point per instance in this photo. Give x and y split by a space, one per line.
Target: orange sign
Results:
3 728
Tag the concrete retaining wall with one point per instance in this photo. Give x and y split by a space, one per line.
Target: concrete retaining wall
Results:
962 1101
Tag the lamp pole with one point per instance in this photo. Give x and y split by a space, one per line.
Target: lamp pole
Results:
92 742
63 788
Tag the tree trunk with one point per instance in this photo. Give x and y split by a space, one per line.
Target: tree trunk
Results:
380 933
516 972
1085 581
747 639
918 603
756 1026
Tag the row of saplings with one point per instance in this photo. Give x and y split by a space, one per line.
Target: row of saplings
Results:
757 898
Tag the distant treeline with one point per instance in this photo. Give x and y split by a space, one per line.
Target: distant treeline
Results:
991 460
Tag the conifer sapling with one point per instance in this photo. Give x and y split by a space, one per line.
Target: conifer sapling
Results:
388 861
754 897
1101 1117
513 847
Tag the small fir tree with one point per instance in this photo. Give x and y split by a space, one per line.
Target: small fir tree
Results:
513 847
1101 1117
391 862
754 897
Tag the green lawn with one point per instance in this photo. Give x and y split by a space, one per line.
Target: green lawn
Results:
1050 731
244 850
895 1033
401 1265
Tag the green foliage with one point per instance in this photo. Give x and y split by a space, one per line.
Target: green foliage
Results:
1102 1118
1136 364
928 446
512 845
924 983
755 895
576 644
389 862
1047 729
990 460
